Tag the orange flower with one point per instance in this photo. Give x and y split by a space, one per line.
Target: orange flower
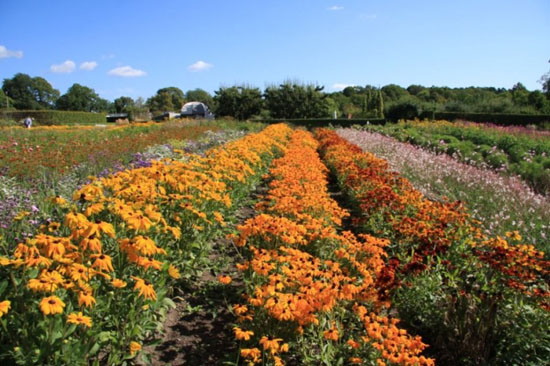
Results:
79 318
102 262
331 334
118 283
4 307
242 334
145 289
51 305
173 272
134 347
85 298
271 345
253 354
226 280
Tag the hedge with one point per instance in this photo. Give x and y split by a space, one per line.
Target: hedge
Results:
504 119
48 118
323 122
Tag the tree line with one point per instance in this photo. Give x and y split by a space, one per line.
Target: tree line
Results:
290 99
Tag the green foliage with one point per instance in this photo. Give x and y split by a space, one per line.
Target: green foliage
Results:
48 118
82 98
29 93
405 108
166 100
294 100
240 102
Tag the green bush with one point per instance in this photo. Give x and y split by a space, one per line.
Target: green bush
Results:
497 159
49 118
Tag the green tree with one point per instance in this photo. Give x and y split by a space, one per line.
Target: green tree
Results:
123 104
240 102
30 93
200 95
82 98
166 100
294 100
5 101
161 102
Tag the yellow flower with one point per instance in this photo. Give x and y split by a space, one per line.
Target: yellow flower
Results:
118 283
145 289
134 347
242 334
4 307
85 298
103 262
20 215
173 272
79 318
51 305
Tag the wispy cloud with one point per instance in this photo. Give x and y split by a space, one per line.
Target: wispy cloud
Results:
336 7
108 57
88 65
199 66
63 68
5 53
367 16
127 72
340 86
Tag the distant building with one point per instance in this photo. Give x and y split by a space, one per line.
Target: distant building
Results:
196 110
113 117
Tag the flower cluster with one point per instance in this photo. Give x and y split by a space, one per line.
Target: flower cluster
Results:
139 227
306 278
426 229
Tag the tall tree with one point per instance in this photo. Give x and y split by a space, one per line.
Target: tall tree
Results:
123 104
240 102
294 100
166 100
30 93
82 98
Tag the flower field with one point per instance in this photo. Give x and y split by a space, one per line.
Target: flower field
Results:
342 261
510 150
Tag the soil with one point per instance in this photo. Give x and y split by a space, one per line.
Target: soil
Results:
198 331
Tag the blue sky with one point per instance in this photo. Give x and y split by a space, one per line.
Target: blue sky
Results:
133 48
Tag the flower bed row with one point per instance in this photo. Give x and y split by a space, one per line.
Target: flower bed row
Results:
92 288
473 298
310 290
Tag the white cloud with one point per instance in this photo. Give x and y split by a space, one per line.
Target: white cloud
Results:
88 65
340 86
199 66
64 68
127 72
5 53
107 57
336 7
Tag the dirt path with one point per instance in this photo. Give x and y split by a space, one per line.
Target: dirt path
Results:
199 330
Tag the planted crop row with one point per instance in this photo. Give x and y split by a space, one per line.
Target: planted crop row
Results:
525 153
92 288
475 299
311 291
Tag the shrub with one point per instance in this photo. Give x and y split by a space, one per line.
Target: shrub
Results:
48 118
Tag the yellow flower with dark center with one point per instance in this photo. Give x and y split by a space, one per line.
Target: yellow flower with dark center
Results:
145 289
79 318
4 307
242 334
174 272
51 305
102 262
85 298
